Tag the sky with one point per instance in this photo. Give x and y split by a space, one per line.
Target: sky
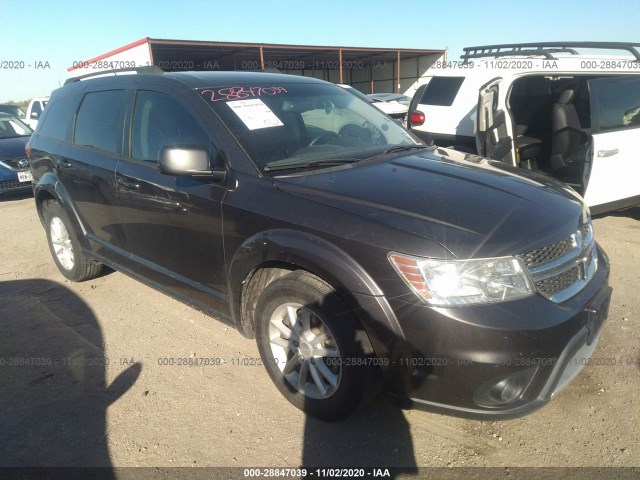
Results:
47 37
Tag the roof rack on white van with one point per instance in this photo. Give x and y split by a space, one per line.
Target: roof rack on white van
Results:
151 69
546 49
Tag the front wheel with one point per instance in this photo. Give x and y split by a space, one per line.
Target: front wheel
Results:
312 347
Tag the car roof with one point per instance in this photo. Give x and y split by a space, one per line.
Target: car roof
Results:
523 64
549 50
181 81
204 79
193 79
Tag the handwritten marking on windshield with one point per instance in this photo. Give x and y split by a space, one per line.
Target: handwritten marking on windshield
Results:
240 93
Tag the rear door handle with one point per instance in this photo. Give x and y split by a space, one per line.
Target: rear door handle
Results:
64 163
129 185
608 153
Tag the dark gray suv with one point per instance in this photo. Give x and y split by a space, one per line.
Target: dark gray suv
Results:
355 255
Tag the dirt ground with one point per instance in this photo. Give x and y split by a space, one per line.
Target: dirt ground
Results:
98 387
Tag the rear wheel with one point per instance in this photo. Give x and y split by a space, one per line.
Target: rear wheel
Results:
311 346
64 246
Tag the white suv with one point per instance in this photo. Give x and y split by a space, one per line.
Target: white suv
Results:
543 107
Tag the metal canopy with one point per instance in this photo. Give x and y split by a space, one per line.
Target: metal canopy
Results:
368 69
319 61
231 55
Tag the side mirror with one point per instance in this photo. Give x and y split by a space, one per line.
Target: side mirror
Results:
34 115
188 161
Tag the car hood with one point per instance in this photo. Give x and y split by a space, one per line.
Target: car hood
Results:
391 108
472 206
13 147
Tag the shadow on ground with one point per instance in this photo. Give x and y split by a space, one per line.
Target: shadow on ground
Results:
53 394
633 212
377 437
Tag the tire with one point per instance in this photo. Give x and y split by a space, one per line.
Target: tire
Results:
64 246
329 379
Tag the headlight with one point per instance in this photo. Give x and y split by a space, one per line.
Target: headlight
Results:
464 282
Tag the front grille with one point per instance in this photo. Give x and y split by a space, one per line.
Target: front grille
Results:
549 253
558 283
14 185
560 270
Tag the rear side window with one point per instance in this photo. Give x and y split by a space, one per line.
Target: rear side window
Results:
36 108
159 120
99 120
441 91
617 104
58 120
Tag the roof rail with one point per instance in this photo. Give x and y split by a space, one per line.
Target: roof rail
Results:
151 69
545 48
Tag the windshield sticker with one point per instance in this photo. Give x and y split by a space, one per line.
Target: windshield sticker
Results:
240 93
255 114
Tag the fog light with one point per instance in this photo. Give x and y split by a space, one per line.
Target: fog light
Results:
504 390
507 390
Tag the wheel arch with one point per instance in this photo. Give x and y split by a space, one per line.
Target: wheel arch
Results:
49 188
269 255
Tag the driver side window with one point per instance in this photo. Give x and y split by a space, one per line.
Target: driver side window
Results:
159 120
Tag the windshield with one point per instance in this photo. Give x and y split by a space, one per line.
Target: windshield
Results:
303 125
11 127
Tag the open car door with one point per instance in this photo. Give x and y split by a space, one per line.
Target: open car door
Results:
612 181
494 136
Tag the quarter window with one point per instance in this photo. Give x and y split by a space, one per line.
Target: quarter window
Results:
441 91
58 121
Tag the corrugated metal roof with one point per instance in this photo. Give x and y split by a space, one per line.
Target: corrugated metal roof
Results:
291 45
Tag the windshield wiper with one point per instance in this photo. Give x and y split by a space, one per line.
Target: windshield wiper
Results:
398 148
330 162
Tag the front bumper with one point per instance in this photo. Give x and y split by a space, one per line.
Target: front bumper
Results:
9 183
495 361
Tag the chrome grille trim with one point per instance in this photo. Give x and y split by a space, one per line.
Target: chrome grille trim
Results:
8 185
13 163
550 253
559 277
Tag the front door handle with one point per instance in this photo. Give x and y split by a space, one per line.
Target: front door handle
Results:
129 185
608 153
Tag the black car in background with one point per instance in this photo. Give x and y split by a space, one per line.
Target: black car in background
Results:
11 109
15 176
355 255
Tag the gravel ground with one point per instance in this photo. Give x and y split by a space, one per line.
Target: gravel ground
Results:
106 399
